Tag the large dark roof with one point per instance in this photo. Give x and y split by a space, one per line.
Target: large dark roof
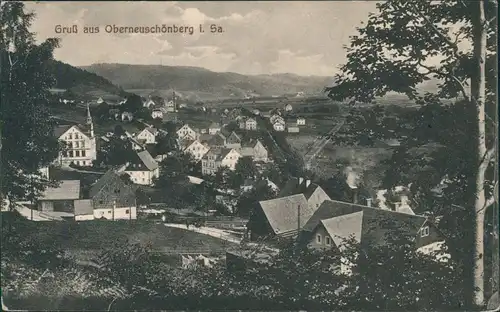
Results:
376 223
293 187
108 178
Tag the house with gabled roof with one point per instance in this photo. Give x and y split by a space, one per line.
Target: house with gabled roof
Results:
214 128
233 141
143 169
335 221
256 150
279 218
250 124
314 193
112 198
147 135
148 103
81 144
195 148
217 140
219 157
187 133
59 198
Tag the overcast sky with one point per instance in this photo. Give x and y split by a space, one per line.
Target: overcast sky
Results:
305 38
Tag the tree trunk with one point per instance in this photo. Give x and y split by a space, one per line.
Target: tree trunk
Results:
478 92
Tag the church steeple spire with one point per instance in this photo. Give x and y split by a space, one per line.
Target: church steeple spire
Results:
89 121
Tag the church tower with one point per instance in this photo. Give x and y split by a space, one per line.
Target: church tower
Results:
89 121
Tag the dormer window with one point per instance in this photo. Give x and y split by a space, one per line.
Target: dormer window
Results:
424 231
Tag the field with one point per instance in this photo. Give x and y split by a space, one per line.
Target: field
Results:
333 159
86 239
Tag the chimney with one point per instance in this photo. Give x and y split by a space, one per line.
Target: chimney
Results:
308 182
369 202
354 195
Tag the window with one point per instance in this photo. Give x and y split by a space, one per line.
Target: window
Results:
70 136
76 136
77 153
127 211
101 202
318 238
424 231
327 239
70 153
109 211
82 144
83 153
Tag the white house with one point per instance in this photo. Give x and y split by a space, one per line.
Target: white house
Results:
276 118
112 198
196 149
256 150
157 113
279 126
220 157
288 108
251 124
214 128
187 133
148 103
80 143
147 135
143 169
127 116
301 121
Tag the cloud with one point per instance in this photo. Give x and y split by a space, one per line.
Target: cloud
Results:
300 37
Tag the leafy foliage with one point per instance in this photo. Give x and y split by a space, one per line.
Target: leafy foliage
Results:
27 141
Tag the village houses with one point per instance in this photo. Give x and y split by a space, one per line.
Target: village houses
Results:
214 128
112 198
60 198
288 108
233 141
279 126
143 169
127 116
251 124
219 157
157 113
187 133
256 150
148 103
195 148
276 118
81 145
147 135
301 121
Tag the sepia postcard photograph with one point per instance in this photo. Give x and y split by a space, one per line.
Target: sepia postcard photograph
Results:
249 155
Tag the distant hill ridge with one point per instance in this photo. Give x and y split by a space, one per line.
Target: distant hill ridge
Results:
80 80
186 78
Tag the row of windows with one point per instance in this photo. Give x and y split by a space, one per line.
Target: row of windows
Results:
76 144
327 240
81 163
76 136
75 153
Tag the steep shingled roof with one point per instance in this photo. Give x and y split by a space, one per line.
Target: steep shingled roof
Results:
282 213
148 160
376 223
